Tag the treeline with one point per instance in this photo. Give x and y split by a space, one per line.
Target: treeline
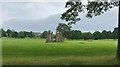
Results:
77 34
15 34
67 34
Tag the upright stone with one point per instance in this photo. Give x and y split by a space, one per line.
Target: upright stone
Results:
59 37
48 37
52 37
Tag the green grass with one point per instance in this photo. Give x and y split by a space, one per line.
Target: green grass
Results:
70 52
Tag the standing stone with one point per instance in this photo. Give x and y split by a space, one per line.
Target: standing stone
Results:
59 37
48 37
52 37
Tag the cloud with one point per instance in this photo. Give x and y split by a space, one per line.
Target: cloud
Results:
30 10
33 16
35 0
48 23
106 21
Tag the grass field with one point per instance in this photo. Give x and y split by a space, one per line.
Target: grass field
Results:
37 52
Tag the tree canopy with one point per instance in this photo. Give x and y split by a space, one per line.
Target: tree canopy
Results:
92 8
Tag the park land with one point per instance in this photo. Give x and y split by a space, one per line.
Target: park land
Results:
33 51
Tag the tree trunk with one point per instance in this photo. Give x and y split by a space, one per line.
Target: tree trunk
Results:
118 48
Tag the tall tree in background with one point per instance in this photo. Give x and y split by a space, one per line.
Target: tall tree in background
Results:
31 35
87 36
9 32
93 8
104 34
21 34
44 34
109 35
97 35
3 32
62 27
14 34
115 33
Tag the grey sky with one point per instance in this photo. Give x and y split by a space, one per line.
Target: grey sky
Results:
40 16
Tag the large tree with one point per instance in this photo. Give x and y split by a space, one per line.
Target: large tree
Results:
104 35
97 35
62 27
21 34
2 32
9 32
115 33
92 8
87 36
14 34
44 34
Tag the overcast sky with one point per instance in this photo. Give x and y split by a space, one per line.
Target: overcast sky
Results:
39 16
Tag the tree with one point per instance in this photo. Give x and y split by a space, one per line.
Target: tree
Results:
44 34
97 35
115 33
9 32
62 27
67 34
104 34
21 34
31 35
3 32
26 34
109 35
72 34
93 8
87 36
14 34
77 34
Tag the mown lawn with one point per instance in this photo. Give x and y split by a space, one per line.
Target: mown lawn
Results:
70 52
